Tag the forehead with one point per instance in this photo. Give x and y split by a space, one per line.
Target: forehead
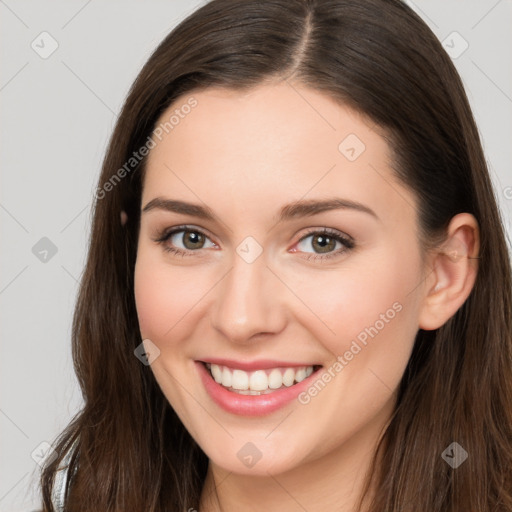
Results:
271 144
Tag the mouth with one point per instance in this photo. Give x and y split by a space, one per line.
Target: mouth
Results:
260 389
259 382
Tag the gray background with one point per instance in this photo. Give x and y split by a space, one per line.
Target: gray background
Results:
58 113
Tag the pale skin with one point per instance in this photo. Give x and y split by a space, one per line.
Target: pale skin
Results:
245 156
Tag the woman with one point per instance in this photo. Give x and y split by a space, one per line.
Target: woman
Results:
297 293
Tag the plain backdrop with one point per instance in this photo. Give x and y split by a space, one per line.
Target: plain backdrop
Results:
66 67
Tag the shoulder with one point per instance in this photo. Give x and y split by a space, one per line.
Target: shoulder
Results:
61 480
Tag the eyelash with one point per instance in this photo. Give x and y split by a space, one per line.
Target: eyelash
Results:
346 241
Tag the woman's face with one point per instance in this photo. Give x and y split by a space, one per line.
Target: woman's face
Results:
292 255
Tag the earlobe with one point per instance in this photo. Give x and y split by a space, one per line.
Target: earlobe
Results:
454 268
124 218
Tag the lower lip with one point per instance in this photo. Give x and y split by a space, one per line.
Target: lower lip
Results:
250 405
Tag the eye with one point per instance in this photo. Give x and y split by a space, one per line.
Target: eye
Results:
320 243
324 243
184 240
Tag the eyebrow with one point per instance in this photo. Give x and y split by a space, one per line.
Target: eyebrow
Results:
301 208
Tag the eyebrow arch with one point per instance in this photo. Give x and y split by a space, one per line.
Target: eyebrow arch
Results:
172 205
306 208
301 208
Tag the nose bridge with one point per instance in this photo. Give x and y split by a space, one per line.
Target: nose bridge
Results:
248 299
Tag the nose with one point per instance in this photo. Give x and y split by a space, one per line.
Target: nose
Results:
248 301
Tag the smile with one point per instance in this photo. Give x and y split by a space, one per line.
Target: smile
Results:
259 389
258 382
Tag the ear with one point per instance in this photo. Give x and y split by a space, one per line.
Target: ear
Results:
124 218
454 268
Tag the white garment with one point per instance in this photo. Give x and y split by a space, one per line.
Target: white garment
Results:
61 479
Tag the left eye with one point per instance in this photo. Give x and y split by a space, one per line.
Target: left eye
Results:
322 243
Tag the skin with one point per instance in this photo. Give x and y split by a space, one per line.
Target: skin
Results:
245 156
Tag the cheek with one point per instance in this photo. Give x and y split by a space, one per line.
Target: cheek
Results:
162 296
365 305
153 300
373 318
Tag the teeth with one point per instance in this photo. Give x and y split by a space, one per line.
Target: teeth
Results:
288 377
300 375
216 373
227 378
240 380
275 379
259 381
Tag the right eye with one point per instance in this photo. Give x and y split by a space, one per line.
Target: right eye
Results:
184 240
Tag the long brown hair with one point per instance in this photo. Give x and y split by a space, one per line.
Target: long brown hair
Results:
377 56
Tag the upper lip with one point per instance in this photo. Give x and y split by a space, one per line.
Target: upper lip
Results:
260 364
